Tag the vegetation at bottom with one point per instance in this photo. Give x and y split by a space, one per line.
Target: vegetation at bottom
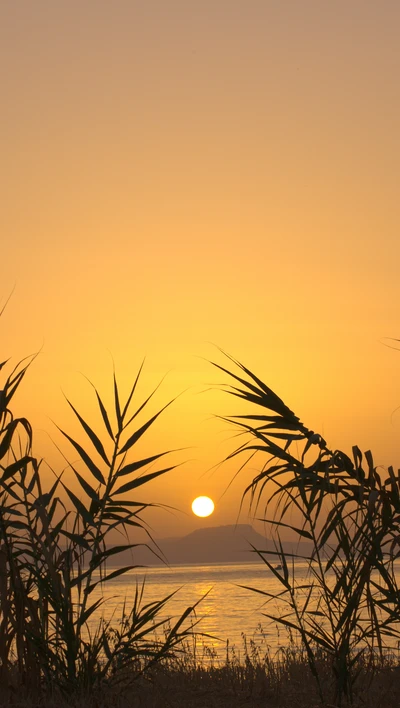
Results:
244 677
55 548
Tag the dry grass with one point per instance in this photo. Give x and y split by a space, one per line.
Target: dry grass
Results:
183 682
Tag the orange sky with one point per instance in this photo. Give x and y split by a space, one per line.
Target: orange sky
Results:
179 173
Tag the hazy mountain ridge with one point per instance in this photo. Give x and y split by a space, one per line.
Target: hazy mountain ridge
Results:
217 544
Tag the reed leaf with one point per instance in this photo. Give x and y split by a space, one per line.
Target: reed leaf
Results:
87 487
97 474
139 481
91 434
134 466
80 508
132 440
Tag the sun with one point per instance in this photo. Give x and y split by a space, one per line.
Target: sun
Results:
203 506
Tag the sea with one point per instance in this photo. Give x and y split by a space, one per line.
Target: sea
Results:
232 601
226 612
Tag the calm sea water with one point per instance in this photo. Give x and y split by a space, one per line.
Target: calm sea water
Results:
227 612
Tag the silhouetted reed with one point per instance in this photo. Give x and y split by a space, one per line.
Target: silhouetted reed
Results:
350 603
53 558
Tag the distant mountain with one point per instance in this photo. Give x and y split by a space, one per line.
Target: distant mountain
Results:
218 544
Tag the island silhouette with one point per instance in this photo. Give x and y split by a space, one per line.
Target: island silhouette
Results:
232 543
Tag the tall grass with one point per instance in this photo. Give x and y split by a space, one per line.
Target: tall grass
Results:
52 557
349 605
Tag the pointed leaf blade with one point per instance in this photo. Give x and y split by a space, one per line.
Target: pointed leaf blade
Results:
85 457
138 433
91 434
139 481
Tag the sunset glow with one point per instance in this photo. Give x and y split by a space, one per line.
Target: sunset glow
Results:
183 176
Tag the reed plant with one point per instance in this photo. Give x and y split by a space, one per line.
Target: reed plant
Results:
348 605
55 546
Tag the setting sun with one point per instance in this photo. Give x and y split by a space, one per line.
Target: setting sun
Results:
203 506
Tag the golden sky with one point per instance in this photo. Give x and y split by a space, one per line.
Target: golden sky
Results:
176 174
